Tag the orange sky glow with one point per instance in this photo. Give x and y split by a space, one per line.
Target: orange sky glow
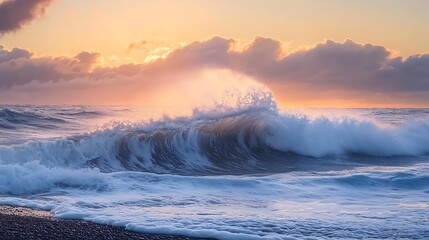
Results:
327 53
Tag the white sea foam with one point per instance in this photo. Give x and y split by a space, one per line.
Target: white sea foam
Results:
279 206
245 172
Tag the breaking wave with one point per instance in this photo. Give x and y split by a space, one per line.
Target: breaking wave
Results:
250 138
236 171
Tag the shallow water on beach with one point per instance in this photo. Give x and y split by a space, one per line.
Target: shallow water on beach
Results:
254 172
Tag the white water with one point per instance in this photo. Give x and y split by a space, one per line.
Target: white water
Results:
241 174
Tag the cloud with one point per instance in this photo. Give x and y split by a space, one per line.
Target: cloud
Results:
16 13
351 66
16 53
19 67
411 74
347 65
146 45
345 70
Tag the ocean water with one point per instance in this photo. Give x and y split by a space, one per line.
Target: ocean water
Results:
251 171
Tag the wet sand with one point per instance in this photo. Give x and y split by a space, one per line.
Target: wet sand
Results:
25 223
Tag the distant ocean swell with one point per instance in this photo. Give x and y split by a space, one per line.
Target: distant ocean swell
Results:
10 119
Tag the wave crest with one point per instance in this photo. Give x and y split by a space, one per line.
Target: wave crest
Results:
238 142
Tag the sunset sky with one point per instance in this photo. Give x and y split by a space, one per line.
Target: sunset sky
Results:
320 53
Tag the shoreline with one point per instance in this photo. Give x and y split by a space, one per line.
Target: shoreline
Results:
27 223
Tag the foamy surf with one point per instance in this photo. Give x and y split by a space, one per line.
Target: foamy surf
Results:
243 172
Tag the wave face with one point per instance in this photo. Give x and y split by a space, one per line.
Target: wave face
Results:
244 172
241 142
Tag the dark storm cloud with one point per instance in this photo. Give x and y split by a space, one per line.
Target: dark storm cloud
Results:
16 13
